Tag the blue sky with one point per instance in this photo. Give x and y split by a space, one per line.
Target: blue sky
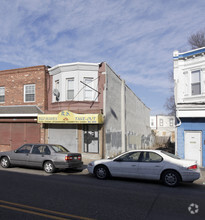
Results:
135 37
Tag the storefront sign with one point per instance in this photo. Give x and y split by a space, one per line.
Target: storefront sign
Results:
67 117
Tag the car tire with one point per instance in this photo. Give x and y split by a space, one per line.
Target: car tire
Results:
171 178
5 162
101 172
49 167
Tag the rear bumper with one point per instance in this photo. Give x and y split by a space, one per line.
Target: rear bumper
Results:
68 165
190 176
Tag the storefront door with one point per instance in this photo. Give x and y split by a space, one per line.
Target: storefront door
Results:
91 139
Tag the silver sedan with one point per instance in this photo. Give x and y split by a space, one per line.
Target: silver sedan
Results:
47 156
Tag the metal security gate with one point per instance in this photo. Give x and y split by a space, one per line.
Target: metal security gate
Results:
65 135
13 135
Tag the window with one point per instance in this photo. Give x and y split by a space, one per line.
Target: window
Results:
129 157
24 149
171 122
2 94
88 92
57 84
29 93
70 89
150 157
196 83
161 122
91 139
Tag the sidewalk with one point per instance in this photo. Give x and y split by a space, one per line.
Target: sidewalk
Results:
201 181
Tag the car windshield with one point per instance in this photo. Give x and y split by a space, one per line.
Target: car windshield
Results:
171 155
59 149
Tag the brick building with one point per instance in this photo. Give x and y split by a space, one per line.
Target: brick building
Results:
86 107
23 96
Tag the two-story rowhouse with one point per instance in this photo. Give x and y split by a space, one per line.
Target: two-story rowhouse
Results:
163 126
189 76
91 110
23 96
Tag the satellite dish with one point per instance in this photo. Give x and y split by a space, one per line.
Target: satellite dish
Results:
56 93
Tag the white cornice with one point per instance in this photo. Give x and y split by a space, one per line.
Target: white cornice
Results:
73 67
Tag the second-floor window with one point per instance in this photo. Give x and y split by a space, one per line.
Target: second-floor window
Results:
88 92
160 122
29 93
70 88
2 94
171 122
196 83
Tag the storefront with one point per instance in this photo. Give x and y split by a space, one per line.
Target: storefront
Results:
77 132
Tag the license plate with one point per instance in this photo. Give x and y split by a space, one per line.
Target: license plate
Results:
75 158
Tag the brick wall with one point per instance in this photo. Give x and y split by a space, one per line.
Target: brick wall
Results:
14 81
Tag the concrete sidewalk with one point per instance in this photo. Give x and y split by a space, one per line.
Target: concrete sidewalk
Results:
201 181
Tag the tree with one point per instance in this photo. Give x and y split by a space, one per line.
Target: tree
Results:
170 101
197 40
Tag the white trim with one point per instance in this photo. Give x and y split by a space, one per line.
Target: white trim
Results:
18 115
191 114
32 84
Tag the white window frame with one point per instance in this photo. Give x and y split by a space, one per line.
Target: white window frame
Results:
25 86
171 122
72 79
2 94
198 82
161 122
88 89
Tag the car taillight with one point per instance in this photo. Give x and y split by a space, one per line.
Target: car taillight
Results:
68 157
193 167
79 157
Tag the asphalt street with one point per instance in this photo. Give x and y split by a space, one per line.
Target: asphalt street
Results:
33 194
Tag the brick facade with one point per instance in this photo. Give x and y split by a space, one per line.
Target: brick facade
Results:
14 81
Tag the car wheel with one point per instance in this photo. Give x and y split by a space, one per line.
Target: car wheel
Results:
171 178
5 163
49 167
101 172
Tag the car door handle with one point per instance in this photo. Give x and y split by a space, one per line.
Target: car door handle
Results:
133 165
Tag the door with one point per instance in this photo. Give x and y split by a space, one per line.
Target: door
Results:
91 139
150 166
193 145
20 156
126 165
38 155
65 135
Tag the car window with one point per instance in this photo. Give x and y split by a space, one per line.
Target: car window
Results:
59 149
41 149
150 157
129 157
24 149
171 155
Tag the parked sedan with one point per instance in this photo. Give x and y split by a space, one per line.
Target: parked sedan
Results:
147 164
47 156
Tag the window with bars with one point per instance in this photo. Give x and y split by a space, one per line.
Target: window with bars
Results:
2 94
29 93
